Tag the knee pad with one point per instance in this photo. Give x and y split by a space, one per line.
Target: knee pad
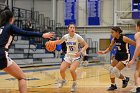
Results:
110 70
116 72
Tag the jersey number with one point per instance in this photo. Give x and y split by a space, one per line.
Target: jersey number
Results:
71 48
118 47
1 31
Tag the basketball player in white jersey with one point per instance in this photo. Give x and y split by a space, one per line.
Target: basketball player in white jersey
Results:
72 57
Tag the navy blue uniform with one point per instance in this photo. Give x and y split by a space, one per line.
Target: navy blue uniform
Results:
6 37
122 53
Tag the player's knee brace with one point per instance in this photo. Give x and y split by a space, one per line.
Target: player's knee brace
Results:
110 70
115 71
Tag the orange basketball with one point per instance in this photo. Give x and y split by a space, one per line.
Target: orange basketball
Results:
50 46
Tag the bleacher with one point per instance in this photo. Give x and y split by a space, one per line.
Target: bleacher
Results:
29 51
25 56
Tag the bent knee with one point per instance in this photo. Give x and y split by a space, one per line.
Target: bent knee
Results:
21 77
72 70
116 72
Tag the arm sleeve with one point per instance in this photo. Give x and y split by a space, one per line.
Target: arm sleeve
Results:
21 32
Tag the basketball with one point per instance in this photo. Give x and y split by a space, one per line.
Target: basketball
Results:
50 46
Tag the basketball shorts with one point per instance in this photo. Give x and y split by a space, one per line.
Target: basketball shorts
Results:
123 57
5 60
70 59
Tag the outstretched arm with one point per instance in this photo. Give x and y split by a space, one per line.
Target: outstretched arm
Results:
59 41
18 31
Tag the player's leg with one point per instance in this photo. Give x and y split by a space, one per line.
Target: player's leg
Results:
136 78
16 72
117 71
113 86
63 67
73 67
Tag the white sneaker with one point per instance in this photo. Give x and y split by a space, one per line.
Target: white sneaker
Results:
74 87
133 90
61 83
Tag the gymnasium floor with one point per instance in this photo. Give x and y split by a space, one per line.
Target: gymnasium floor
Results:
91 79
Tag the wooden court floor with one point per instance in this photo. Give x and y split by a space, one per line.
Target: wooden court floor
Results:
92 79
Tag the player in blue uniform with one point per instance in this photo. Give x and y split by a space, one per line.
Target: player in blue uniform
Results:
7 31
121 58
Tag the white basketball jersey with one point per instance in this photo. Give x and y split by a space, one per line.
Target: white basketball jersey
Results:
72 43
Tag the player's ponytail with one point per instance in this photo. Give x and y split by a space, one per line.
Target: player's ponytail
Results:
117 29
